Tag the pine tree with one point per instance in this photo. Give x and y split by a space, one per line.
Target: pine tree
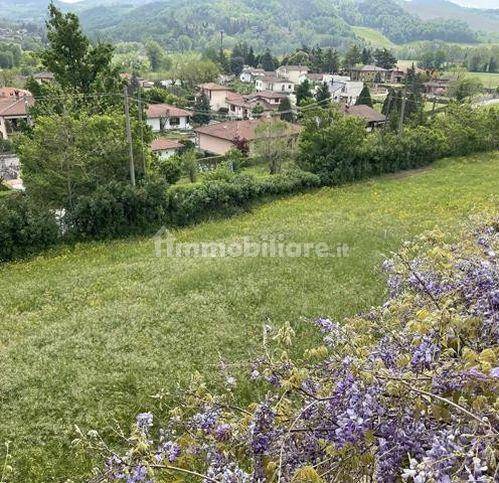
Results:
251 59
202 109
364 97
384 58
303 92
352 57
323 95
285 109
331 61
267 61
366 56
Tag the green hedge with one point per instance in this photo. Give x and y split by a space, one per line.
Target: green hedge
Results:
25 229
118 209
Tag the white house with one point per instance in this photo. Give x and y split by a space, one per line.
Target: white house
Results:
292 72
345 91
274 84
165 148
163 117
250 74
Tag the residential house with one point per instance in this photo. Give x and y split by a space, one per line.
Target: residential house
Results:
274 83
314 78
397 76
216 94
220 138
369 73
163 117
241 107
346 92
372 117
437 87
13 111
165 148
250 74
292 73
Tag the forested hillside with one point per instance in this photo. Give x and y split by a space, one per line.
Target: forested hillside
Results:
477 19
281 25
278 24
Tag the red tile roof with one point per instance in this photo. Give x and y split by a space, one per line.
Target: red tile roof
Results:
211 86
166 110
15 107
13 92
162 144
244 129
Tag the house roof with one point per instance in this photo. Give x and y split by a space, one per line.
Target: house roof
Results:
166 110
211 86
267 95
13 92
234 97
366 112
15 107
243 129
294 67
163 144
316 77
370 68
275 79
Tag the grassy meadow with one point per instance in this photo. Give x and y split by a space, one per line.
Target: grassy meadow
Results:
90 333
376 38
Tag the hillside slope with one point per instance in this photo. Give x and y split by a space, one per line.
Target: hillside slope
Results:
88 335
477 19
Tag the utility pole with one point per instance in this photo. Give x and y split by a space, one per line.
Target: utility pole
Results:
129 136
139 105
402 111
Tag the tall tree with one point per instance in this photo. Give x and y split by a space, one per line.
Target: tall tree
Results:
366 57
155 54
331 61
267 61
75 63
303 92
236 64
201 109
364 97
384 58
323 95
285 110
352 56
251 59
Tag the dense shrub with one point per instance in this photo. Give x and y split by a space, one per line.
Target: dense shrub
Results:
117 209
168 169
338 149
404 392
24 228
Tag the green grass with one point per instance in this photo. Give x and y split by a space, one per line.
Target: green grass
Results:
488 79
373 36
89 334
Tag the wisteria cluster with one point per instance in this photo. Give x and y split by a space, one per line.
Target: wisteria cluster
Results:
404 392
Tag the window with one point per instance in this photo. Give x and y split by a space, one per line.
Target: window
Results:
174 121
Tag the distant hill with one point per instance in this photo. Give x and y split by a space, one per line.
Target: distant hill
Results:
477 19
281 25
